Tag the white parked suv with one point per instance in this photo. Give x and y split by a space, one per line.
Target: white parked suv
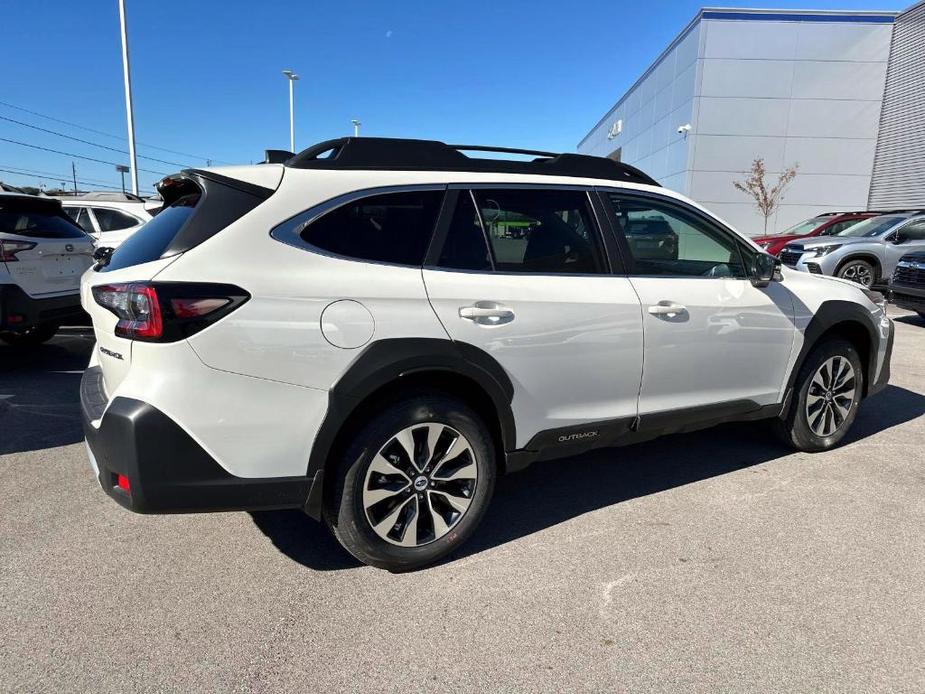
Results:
376 329
109 218
42 256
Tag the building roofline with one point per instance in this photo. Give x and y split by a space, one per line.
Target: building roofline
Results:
750 14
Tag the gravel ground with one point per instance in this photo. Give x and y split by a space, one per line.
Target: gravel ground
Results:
715 561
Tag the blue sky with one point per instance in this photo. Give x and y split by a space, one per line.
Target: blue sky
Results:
207 82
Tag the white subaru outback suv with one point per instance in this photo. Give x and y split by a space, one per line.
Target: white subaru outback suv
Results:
42 257
376 329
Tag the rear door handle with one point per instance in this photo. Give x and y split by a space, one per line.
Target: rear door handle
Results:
487 313
667 308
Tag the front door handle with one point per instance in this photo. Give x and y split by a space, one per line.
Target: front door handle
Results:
487 313
667 308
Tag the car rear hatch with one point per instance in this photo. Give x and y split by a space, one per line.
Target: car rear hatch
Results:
44 252
197 205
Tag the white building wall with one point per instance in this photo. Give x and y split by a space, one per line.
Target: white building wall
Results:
806 92
792 92
651 112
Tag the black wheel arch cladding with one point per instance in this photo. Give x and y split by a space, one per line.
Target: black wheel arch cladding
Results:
388 361
836 316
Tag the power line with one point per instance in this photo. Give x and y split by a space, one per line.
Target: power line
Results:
88 142
39 173
58 179
105 134
76 156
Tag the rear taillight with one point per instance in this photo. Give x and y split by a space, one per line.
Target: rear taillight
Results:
167 311
9 249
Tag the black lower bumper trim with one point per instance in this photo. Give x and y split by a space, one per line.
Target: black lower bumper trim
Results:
168 472
29 311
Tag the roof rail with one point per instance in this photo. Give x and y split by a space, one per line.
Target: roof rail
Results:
383 153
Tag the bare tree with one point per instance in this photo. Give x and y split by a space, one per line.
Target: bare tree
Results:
766 199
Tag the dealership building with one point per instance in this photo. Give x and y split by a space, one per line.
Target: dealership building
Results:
839 94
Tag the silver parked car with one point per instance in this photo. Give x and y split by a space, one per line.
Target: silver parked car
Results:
866 252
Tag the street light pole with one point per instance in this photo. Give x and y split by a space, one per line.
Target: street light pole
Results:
356 127
292 77
129 114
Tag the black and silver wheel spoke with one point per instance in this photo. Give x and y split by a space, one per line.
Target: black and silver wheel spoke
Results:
830 396
420 484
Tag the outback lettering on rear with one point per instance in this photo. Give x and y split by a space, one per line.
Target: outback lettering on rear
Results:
110 353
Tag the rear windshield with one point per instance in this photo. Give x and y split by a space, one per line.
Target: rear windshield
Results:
152 239
38 225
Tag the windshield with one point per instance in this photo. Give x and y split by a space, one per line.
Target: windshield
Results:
803 228
870 227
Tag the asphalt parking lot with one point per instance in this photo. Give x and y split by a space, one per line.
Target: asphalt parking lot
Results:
705 562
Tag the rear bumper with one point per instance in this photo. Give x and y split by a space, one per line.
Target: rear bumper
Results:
19 311
168 472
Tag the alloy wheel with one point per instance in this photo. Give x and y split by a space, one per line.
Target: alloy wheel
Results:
420 484
858 272
830 397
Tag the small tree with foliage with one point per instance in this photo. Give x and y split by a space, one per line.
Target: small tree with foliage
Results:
767 199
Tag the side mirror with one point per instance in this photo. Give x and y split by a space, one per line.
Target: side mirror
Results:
898 238
765 269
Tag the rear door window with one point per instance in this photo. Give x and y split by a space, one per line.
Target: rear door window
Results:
540 230
114 220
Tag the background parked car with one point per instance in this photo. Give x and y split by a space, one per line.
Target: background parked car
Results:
866 253
109 218
42 256
908 283
825 224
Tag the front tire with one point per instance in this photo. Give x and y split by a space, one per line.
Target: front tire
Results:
414 483
859 271
826 396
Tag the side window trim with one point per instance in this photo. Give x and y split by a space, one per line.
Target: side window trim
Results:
744 250
285 232
601 238
491 250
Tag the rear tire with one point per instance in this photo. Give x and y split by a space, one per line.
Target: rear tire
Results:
826 396
859 271
30 337
414 482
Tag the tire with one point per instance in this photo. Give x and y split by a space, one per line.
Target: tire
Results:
859 271
802 427
921 314
35 335
369 489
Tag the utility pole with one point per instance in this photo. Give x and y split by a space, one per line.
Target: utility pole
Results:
129 114
292 77
356 127
74 174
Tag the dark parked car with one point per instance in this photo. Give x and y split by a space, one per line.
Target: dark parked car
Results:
908 283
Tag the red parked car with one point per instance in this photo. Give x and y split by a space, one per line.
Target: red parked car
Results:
825 224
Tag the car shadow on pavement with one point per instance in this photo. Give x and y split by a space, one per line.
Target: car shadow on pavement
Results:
910 319
552 492
40 392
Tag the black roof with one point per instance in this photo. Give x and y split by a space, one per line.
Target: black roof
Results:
383 153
